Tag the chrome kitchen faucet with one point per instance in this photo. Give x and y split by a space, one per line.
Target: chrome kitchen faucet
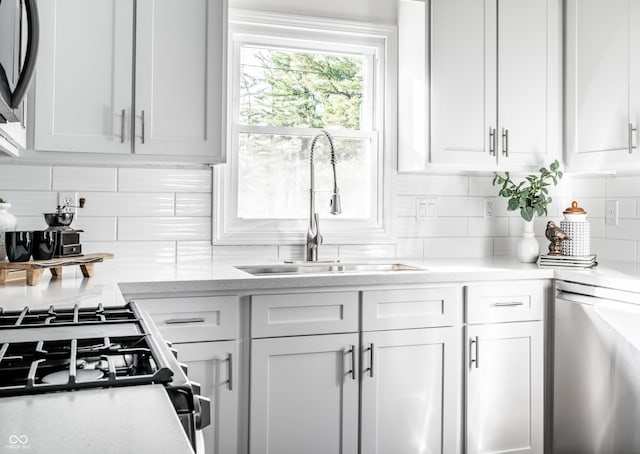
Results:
314 239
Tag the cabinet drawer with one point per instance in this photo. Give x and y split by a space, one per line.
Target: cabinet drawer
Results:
500 302
194 319
409 308
293 314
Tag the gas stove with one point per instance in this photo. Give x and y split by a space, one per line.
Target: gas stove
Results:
77 348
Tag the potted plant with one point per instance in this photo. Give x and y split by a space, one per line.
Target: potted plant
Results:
531 197
7 223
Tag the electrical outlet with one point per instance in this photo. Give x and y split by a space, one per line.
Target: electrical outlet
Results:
488 208
611 212
69 199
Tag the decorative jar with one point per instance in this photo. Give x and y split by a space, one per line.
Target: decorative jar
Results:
575 225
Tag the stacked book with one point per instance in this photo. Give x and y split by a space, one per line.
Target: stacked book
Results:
567 261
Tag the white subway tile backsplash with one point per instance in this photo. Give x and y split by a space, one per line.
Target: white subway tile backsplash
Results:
482 187
30 223
193 204
164 180
488 227
366 251
459 206
84 179
146 251
245 253
614 249
193 251
587 187
30 203
24 178
163 228
506 246
626 186
433 185
458 247
627 229
96 228
410 227
128 204
410 248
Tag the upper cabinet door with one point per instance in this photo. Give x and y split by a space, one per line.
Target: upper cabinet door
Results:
529 82
599 59
463 82
179 80
83 78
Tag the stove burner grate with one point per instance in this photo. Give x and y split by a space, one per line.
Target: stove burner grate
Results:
67 316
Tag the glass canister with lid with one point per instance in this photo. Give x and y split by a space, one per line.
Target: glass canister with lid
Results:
575 225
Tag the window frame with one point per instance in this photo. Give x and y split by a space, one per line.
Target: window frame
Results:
263 28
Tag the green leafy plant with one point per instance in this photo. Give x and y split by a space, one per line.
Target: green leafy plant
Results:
2 200
532 198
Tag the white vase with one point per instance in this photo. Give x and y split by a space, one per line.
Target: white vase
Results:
7 223
528 248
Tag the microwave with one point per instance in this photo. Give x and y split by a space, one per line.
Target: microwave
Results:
19 36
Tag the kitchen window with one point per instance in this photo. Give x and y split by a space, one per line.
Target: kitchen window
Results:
290 77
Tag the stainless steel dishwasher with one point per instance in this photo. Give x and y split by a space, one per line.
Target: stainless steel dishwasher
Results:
596 403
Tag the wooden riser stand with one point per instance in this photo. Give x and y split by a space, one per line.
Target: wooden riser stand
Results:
35 268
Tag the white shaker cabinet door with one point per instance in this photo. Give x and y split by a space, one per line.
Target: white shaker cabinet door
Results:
179 78
598 83
463 81
409 391
214 366
504 409
83 77
304 395
530 78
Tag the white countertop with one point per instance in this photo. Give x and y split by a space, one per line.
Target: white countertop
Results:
114 276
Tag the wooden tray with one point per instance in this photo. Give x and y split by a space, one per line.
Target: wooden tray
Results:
35 268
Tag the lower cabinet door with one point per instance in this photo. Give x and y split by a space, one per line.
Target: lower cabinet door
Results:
504 408
304 395
214 366
410 384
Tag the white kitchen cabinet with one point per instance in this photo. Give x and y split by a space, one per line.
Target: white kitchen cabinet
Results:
149 81
304 395
495 83
409 391
603 84
214 365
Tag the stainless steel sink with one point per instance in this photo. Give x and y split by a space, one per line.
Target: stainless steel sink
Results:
326 268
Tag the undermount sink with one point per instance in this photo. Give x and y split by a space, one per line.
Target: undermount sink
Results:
323 268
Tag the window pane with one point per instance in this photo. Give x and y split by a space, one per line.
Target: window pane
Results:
300 89
273 177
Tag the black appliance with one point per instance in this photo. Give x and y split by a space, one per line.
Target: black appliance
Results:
67 241
74 348
17 54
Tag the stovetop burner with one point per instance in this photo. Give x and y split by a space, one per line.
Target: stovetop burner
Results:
74 316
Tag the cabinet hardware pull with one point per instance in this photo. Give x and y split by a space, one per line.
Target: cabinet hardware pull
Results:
631 131
230 372
353 362
515 303
371 356
492 141
505 142
122 118
142 130
173 321
474 349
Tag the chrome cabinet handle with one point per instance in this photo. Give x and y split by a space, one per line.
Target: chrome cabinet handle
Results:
142 130
352 350
631 130
515 303
122 118
492 141
505 142
175 321
230 372
371 356
473 347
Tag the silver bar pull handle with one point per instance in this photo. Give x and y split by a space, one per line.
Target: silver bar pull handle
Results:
514 303
505 142
371 356
473 348
122 119
174 321
352 351
230 372
492 141
142 130
631 131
